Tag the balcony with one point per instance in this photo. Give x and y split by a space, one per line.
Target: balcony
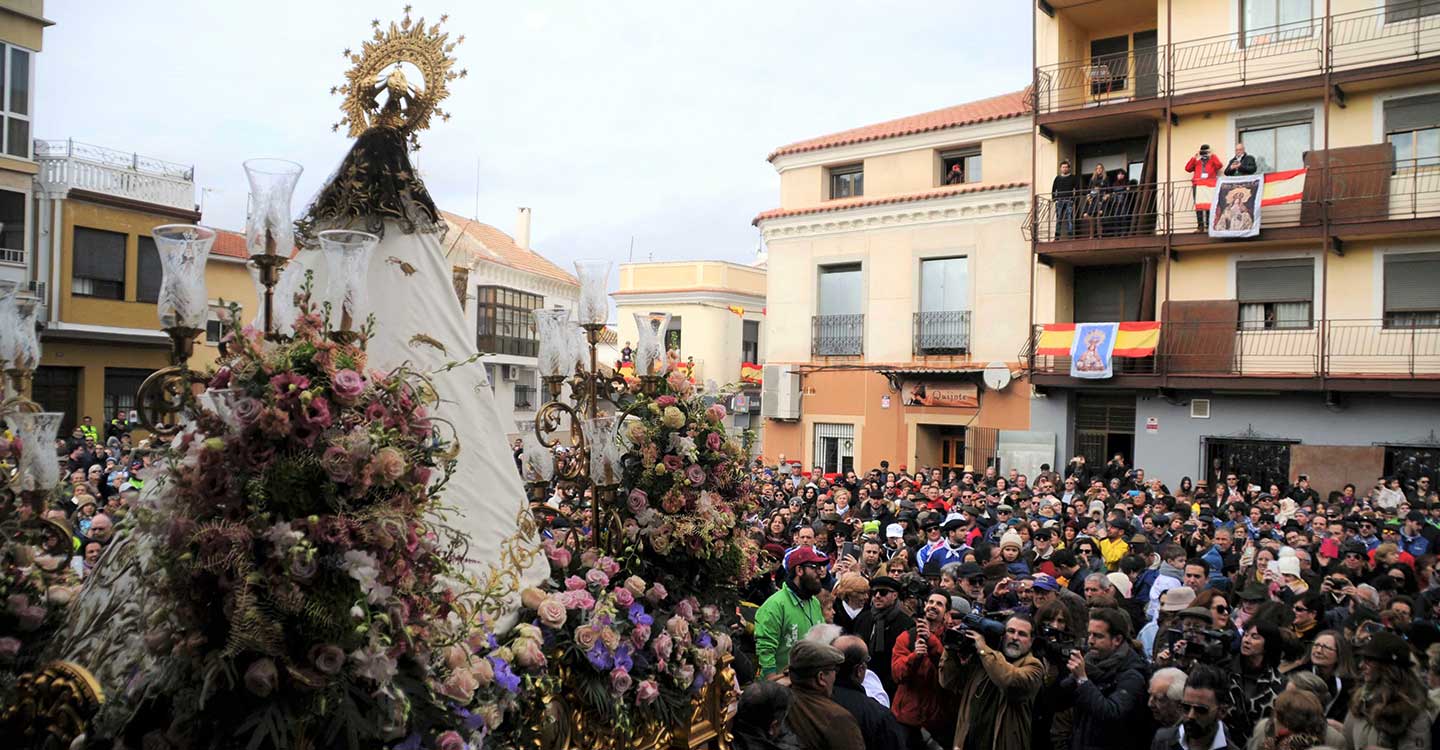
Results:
1365 199
941 333
1358 45
71 165
1332 355
837 335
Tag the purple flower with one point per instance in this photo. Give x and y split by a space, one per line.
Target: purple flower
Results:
637 615
471 721
289 384
337 464
695 473
622 658
317 413
347 385
503 676
704 641
713 441
672 462
599 657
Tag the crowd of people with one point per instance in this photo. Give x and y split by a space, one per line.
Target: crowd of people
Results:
1083 609
101 466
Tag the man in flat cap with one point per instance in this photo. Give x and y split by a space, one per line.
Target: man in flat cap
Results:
818 721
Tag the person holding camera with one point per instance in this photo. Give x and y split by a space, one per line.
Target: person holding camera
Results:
1241 163
997 688
1108 687
920 703
1203 167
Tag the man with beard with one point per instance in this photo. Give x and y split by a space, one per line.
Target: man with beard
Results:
921 704
997 688
1108 687
790 612
880 626
818 721
1202 713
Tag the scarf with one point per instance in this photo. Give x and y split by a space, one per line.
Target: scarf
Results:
1098 667
1170 571
1294 741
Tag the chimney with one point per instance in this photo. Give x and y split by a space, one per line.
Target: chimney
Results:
522 228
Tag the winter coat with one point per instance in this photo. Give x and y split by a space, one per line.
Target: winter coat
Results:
1110 710
1018 683
919 701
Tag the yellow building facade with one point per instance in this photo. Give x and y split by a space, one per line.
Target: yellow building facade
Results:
97 274
717 319
1311 347
896 277
22 28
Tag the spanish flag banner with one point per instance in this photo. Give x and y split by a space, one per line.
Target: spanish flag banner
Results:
1134 339
738 310
627 369
1280 187
750 372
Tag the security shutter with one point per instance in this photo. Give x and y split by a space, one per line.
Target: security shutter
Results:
1412 282
147 271
833 444
1412 113
1288 280
99 254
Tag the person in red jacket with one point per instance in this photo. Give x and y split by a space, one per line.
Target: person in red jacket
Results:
920 704
1203 167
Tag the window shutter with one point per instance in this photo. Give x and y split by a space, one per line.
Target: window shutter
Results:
1412 282
147 271
1275 280
99 254
1412 113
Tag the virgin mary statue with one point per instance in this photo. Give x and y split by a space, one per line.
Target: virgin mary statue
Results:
419 323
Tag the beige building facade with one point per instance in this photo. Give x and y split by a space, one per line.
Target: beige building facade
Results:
895 278
1312 347
717 320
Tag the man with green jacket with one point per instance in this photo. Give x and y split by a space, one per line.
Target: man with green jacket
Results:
789 613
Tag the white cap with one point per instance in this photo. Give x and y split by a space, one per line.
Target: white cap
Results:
894 531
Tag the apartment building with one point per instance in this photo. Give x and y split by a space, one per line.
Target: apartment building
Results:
717 312
1310 346
896 278
22 27
500 280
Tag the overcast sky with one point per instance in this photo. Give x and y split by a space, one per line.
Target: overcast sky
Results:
611 120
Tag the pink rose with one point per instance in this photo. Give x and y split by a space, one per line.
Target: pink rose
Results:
620 681
678 629
261 678
586 637
578 600
347 385
636 585
450 740
647 692
608 565
710 613
713 441
589 556
686 609
638 501
552 613
337 464
9 648
460 685
597 577
389 464
640 636
665 401
30 618
695 473
457 657
663 645
657 593
623 597
560 557
672 462
247 410
484 673
574 583
716 412
528 653
685 675
723 644
327 658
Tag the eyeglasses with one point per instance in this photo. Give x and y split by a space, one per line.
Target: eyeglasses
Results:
1301 609
1196 708
1221 608
1318 646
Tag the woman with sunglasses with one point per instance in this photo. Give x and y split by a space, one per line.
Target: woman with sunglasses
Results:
1215 601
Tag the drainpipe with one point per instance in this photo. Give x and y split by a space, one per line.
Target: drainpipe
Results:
56 247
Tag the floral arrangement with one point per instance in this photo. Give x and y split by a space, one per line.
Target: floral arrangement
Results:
313 596
684 493
35 586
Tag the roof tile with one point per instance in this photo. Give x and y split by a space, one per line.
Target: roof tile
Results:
490 244
1013 104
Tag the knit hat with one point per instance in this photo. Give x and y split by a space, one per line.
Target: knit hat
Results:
1289 566
1011 539
1121 582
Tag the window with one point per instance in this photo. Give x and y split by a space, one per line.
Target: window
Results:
847 181
121 385
1409 10
1275 294
524 396
750 341
1278 142
214 331
672 334
838 326
943 322
839 290
147 271
1412 126
12 226
835 447
15 74
99 264
1260 19
503 321
1109 64
960 166
1411 296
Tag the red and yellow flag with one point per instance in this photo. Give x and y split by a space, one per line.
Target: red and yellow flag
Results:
1135 339
738 310
750 372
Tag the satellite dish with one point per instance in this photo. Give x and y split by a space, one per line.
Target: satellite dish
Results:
997 376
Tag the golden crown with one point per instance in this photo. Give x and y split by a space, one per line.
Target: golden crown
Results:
377 98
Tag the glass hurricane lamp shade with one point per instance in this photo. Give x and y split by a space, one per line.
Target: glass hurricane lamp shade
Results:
601 439
650 342
184 249
39 467
221 402
537 462
594 278
554 329
347 262
292 278
269 228
22 340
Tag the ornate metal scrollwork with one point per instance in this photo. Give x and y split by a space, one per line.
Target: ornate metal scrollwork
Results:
52 707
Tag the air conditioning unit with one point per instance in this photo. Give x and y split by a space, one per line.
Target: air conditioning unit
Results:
780 393
1200 408
509 373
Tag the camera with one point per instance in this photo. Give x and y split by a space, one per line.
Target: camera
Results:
956 638
1207 646
1054 644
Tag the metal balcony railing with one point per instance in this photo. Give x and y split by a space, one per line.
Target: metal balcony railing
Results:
837 335
71 164
1395 32
941 332
524 396
1355 193
1293 349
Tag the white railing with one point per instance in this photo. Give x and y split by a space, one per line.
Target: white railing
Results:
70 164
